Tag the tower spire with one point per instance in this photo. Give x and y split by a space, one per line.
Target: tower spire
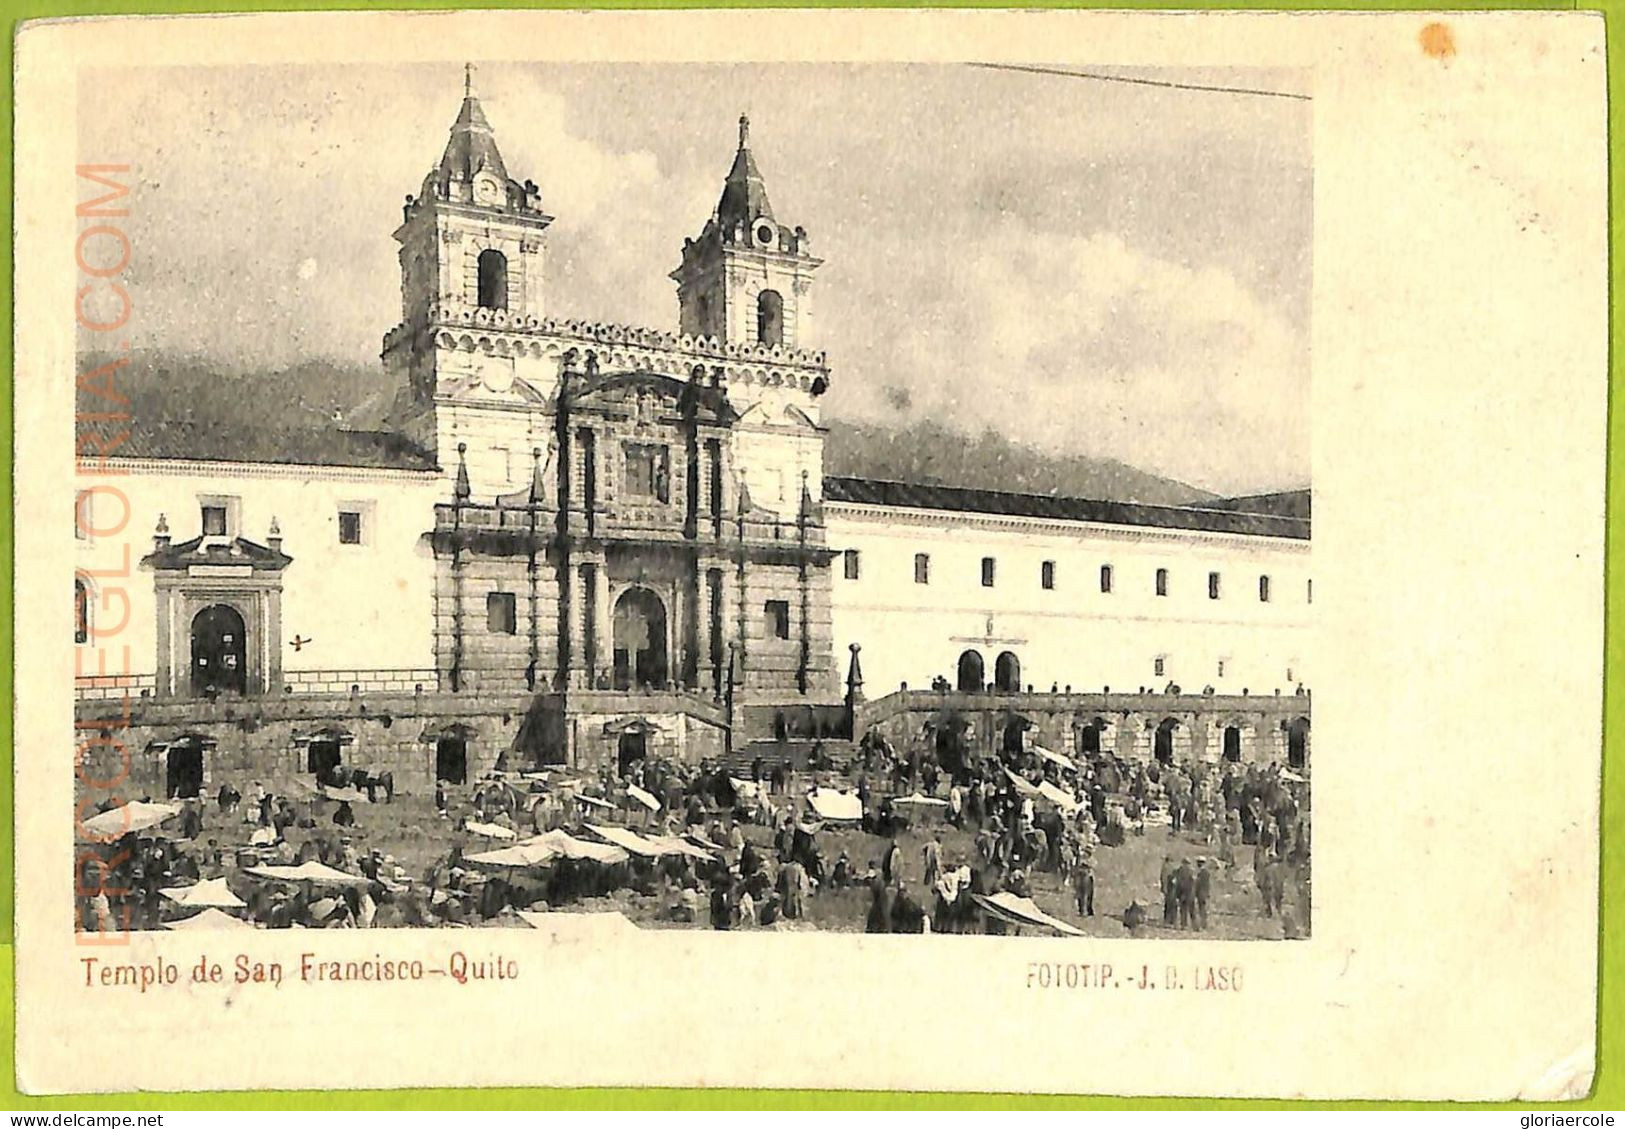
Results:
744 131
468 80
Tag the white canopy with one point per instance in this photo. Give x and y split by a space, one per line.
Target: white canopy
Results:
491 830
594 801
1055 758
835 805
312 871
1060 797
209 919
1021 911
745 788
642 797
545 848
671 844
211 893
630 840
137 815
1023 786
917 798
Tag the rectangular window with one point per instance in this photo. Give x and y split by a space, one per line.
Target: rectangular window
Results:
1159 666
221 514
1213 586
648 471
849 560
1162 582
1106 578
1263 589
922 568
778 619
1046 574
499 613
987 572
349 527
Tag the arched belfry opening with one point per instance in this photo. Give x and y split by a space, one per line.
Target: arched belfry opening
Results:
493 280
770 318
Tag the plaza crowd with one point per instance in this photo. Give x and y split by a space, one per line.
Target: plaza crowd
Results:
759 852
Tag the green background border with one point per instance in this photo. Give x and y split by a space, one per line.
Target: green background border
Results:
1609 1089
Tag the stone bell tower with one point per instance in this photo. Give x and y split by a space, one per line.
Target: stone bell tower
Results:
472 245
747 278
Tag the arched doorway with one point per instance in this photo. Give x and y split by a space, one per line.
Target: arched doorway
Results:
451 760
632 746
1089 737
970 672
640 640
323 755
1007 673
1163 746
1015 729
219 651
1232 743
1297 742
183 769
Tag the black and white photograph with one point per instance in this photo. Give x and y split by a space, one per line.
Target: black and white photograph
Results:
531 547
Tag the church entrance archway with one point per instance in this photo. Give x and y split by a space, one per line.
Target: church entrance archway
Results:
1163 746
1297 742
1089 737
970 672
1007 673
1232 743
640 640
183 769
219 651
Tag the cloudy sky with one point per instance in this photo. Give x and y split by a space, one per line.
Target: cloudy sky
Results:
1103 268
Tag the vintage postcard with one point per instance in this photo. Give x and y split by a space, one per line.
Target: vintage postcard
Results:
775 549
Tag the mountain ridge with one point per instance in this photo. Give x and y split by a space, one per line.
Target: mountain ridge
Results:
199 393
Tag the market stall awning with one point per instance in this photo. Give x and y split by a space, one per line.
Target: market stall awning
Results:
1021 911
211 893
319 873
209 919
628 840
1060 797
490 830
1055 758
922 800
137 815
835 805
642 797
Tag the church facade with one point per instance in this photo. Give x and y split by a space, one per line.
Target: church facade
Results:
574 541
